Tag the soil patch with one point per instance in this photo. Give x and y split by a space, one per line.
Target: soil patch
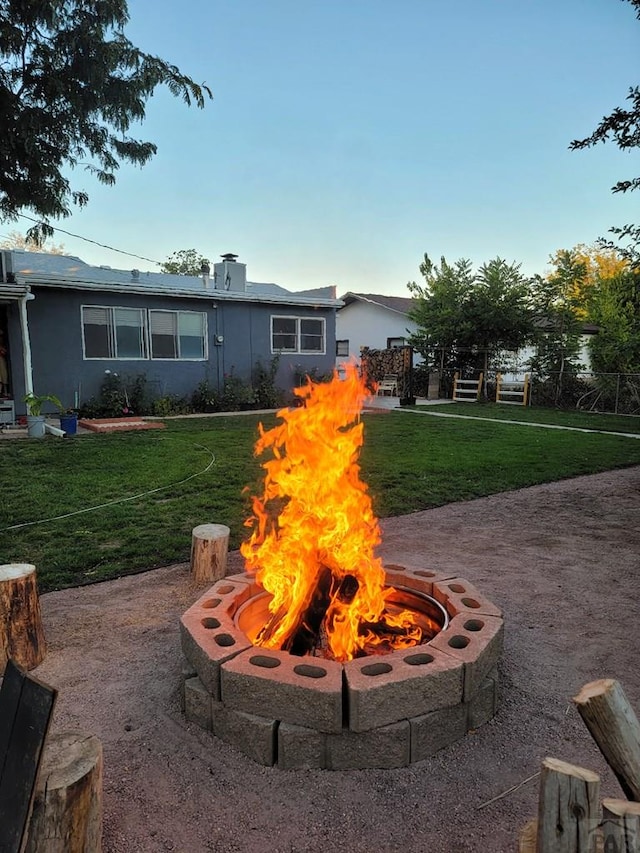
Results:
560 559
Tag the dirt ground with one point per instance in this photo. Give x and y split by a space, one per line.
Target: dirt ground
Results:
563 560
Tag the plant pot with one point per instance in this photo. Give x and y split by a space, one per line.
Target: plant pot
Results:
69 423
35 426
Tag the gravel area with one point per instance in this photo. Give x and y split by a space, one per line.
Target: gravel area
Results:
561 559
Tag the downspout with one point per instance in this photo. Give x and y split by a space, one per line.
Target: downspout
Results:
26 343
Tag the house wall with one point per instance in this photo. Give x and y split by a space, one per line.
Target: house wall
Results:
59 367
366 325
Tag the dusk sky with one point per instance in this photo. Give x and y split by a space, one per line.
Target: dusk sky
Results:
347 138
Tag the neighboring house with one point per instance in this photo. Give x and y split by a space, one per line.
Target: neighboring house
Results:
371 320
66 324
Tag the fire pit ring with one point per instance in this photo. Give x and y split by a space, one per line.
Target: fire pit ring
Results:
386 710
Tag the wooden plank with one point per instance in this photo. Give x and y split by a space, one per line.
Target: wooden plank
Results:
614 727
568 808
26 706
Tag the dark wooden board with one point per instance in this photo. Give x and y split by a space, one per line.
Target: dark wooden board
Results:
26 706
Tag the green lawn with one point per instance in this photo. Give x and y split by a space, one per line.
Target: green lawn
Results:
410 462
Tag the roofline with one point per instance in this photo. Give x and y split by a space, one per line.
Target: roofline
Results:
359 296
222 295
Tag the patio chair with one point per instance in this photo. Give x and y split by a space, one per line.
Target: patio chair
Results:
388 385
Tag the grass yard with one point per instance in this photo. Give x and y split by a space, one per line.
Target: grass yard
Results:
410 461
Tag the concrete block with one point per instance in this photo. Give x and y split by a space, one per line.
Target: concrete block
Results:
484 705
187 671
476 641
458 596
414 576
303 691
406 683
197 703
208 633
253 735
301 747
386 747
432 732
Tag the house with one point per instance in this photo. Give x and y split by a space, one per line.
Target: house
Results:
65 324
373 321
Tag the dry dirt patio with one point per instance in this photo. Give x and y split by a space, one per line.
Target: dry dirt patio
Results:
563 561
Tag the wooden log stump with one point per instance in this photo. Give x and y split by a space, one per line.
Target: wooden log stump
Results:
621 826
21 632
568 809
615 728
67 809
209 548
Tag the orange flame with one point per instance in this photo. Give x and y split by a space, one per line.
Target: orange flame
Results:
314 531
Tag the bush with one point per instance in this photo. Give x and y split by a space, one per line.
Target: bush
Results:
205 398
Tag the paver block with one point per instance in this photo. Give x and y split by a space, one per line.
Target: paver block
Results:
301 747
475 640
422 578
303 691
458 595
432 732
386 747
484 705
187 671
253 735
197 703
403 684
208 633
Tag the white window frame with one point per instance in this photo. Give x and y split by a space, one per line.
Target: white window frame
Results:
112 336
298 333
179 357
345 345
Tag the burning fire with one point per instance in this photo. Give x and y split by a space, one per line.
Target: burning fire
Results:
314 533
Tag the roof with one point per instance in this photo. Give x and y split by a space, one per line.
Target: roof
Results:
399 304
66 271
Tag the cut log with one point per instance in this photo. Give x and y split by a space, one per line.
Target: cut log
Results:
67 809
621 826
568 808
21 632
528 837
615 728
209 548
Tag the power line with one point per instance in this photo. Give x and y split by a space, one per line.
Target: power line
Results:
87 240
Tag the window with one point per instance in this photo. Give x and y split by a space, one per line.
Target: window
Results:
394 343
297 334
113 332
342 347
178 334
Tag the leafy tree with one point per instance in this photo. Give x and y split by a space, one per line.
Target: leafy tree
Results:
556 301
467 319
600 264
615 308
185 262
623 126
15 240
71 85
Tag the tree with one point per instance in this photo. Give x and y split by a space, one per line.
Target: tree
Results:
556 301
623 126
186 262
615 308
71 85
598 264
465 319
15 240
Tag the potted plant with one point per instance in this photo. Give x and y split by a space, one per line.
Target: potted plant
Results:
68 420
35 418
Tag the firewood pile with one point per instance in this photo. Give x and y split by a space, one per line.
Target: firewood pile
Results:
378 362
571 817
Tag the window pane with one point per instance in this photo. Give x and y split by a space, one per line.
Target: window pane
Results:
285 334
342 347
129 333
191 329
311 336
164 338
95 327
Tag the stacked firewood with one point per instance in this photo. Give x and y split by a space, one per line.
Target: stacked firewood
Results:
571 818
380 362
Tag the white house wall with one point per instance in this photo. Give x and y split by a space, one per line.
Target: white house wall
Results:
364 324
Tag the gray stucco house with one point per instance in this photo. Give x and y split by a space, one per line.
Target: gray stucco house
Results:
64 324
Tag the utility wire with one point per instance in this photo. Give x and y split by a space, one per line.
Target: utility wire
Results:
87 240
117 500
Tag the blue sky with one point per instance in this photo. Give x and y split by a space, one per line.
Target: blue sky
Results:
348 137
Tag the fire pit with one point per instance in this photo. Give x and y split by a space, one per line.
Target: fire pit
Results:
320 656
